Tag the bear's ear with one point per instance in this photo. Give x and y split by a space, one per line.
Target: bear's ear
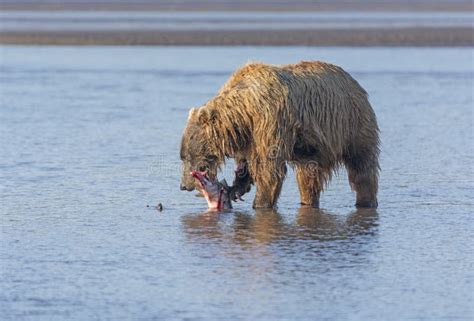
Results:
192 113
206 115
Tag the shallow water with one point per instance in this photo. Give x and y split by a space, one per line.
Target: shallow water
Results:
89 137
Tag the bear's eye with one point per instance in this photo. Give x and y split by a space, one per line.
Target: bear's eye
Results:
211 158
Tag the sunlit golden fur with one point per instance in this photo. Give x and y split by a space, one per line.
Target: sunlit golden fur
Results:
311 115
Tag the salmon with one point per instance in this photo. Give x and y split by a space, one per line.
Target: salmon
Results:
217 194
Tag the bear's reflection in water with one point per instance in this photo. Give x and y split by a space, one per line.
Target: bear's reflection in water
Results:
269 226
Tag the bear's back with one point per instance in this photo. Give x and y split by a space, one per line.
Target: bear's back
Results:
320 73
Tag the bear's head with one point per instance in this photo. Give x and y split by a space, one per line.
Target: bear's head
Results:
198 146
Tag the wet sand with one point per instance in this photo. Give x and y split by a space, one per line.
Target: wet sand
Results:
458 36
31 26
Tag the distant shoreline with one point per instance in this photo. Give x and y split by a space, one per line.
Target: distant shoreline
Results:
462 36
263 34
216 5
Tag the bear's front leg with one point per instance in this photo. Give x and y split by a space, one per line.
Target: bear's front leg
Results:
242 180
269 182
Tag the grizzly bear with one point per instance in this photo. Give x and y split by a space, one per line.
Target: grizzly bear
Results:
312 116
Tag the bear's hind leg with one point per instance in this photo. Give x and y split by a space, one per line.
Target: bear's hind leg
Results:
363 175
311 181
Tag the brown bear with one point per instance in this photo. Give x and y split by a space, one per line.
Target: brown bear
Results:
312 115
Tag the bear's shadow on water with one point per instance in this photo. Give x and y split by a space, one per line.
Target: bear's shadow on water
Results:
270 226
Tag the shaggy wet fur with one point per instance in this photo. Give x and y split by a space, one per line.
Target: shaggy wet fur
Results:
312 115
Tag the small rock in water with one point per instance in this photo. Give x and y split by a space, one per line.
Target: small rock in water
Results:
159 207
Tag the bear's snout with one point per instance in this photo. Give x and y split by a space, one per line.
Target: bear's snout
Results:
186 188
